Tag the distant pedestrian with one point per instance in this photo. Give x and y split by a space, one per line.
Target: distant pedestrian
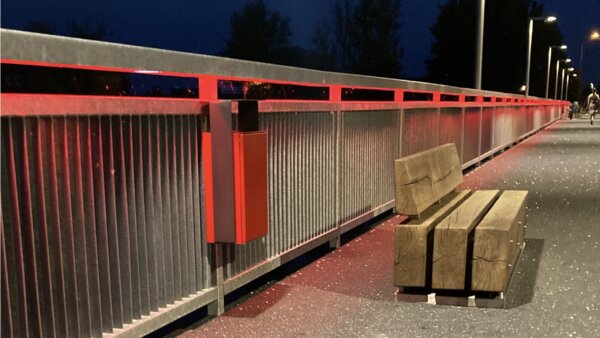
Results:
592 103
574 110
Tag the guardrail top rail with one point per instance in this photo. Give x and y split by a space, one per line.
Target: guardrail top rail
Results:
41 49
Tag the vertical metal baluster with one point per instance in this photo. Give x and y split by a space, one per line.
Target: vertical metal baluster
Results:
42 222
316 126
166 210
300 176
11 239
106 277
158 200
129 166
140 204
183 220
175 212
120 170
189 199
55 230
107 167
7 318
337 164
27 231
278 186
294 181
100 311
199 252
148 160
79 226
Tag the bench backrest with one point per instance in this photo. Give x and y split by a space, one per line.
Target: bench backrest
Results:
423 178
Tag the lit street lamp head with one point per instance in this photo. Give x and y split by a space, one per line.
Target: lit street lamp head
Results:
595 35
546 19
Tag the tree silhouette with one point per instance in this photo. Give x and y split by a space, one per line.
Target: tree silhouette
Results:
39 26
367 39
375 38
87 30
343 14
505 45
258 35
322 48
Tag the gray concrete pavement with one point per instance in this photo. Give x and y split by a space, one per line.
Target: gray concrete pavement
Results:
554 292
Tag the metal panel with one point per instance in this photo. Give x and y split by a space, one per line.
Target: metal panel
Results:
87 223
519 121
503 126
487 129
472 133
419 130
367 152
451 128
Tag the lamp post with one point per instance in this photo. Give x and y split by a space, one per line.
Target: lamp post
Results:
568 71
567 89
548 71
594 36
556 82
562 82
479 56
531 20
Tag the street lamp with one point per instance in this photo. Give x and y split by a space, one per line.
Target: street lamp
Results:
479 53
563 79
594 36
556 82
531 20
567 86
548 71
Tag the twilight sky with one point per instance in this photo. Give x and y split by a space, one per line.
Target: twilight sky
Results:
202 25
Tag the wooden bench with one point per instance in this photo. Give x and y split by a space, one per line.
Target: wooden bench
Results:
454 240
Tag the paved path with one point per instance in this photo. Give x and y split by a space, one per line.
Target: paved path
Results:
555 291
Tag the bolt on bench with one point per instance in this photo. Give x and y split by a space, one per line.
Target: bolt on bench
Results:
458 247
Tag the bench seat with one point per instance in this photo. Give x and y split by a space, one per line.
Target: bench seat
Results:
454 240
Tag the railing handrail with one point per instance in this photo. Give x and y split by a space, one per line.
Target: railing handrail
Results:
51 49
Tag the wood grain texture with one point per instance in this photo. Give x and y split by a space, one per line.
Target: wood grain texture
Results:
411 242
423 178
497 242
451 240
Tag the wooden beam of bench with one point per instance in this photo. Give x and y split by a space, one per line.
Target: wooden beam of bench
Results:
451 240
411 242
498 241
422 179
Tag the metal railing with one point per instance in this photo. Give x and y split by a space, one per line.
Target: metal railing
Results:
103 228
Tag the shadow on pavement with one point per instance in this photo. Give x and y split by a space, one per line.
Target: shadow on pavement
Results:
522 286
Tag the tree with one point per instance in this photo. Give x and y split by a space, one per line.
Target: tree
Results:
375 38
322 48
343 14
87 30
258 35
38 26
505 45
453 49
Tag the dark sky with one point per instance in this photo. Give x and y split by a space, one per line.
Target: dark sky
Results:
203 25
